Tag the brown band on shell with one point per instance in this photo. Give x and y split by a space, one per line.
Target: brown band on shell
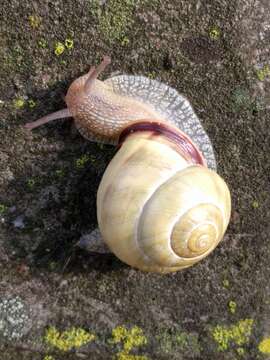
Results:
157 128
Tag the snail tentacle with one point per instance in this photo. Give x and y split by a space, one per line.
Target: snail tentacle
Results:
60 114
95 72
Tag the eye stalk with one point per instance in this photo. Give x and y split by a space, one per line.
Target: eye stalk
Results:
94 72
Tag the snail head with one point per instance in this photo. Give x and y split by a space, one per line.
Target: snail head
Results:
77 96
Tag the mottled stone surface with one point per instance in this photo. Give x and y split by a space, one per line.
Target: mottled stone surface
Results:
216 53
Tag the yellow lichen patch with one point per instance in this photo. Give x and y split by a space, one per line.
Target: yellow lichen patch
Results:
130 339
48 357
214 33
263 73
69 339
31 103
232 306
59 48
226 283
240 351
19 103
237 334
69 43
152 75
255 204
34 21
264 346
119 334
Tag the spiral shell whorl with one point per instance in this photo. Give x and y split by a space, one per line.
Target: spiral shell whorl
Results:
158 213
198 231
193 209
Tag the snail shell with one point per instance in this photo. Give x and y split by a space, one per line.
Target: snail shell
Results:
158 212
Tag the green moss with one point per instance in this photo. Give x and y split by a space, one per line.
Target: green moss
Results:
31 183
171 341
19 103
226 283
52 265
15 59
63 62
165 341
100 146
80 163
237 334
264 346
129 339
60 173
114 19
3 209
42 43
240 351
73 338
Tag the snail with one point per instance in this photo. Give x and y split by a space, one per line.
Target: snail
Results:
161 206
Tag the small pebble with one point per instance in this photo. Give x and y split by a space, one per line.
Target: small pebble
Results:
19 222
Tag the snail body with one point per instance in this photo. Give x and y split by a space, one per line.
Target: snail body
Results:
161 207
104 112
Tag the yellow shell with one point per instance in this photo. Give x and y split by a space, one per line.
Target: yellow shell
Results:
156 212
